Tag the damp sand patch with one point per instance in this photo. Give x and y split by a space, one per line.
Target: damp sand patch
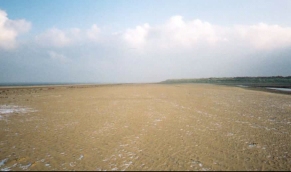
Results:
7 110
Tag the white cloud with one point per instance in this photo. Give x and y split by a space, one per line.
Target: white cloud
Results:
178 33
93 33
189 33
265 37
54 37
58 38
138 36
75 33
174 33
58 57
177 48
10 29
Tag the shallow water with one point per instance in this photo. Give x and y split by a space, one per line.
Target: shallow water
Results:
280 89
242 86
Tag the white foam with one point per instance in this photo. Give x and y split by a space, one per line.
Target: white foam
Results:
25 167
9 109
81 157
2 162
6 109
5 169
72 164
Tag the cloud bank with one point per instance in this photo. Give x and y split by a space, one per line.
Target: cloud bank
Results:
265 37
177 48
176 33
10 29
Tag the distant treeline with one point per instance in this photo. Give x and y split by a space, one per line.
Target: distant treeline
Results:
256 81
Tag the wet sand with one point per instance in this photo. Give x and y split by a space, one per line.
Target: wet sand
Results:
144 127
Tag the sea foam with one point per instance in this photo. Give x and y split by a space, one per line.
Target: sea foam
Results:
10 109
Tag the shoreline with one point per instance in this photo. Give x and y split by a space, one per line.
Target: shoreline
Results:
256 87
52 86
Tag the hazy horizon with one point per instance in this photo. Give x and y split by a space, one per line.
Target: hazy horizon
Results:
142 41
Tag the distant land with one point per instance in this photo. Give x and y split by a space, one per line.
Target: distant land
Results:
265 81
269 81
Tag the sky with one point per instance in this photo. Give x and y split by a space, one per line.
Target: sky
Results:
132 41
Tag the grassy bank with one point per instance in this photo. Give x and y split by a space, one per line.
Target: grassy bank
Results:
273 81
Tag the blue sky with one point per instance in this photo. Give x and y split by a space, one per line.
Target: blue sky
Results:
142 41
76 13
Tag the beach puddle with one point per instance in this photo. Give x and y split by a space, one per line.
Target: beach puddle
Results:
252 145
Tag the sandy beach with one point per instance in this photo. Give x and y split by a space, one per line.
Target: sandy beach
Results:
144 127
